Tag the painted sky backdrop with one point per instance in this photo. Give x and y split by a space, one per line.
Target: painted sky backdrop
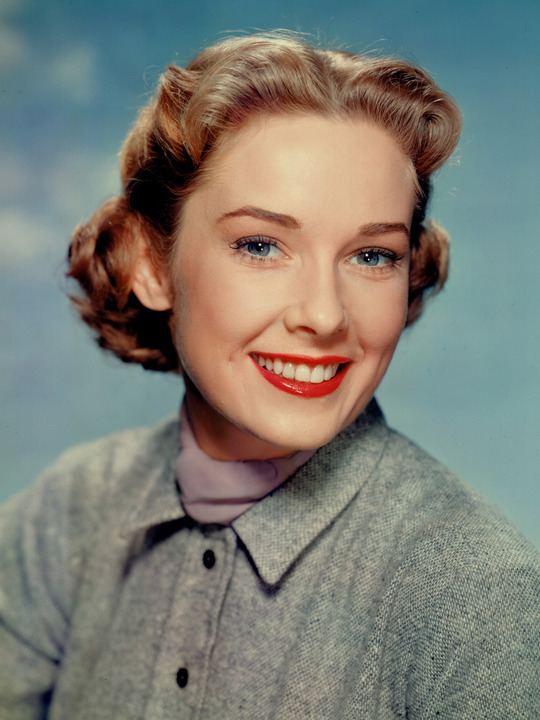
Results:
465 383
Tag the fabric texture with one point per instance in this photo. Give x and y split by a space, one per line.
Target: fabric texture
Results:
371 584
219 491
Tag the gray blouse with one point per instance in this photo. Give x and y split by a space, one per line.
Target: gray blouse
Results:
371 584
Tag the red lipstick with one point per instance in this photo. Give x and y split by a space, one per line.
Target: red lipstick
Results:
305 389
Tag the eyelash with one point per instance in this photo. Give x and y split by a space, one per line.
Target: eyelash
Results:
391 256
242 243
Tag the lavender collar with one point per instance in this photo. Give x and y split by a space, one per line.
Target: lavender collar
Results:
219 491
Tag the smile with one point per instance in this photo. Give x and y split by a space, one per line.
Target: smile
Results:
302 375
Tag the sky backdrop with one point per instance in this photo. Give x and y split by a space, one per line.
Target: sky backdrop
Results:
465 383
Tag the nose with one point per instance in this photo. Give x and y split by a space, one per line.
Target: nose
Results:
317 307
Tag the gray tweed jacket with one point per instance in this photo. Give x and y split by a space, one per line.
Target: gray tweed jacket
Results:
372 584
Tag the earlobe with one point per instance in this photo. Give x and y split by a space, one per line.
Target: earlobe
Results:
150 285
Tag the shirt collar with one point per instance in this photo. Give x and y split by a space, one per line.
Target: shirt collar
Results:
281 526
278 528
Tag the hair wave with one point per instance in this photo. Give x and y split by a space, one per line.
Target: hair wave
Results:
167 152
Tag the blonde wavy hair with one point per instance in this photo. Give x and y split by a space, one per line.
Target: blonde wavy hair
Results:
168 149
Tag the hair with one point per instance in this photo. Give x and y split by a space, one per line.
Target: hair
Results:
167 152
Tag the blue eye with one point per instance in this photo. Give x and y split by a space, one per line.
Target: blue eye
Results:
258 248
375 258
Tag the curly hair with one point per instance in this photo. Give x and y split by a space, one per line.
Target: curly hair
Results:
167 152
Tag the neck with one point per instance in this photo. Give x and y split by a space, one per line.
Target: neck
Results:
222 440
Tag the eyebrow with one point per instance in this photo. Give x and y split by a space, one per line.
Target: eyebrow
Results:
374 229
285 220
368 230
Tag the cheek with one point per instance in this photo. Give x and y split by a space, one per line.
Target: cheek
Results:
379 315
219 312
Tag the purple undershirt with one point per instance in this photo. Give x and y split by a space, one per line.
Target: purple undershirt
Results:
219 491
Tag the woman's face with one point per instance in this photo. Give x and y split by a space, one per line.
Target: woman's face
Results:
292 258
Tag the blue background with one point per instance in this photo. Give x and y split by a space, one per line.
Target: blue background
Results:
465 381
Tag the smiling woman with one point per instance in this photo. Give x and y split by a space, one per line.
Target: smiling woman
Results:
293 284
276 551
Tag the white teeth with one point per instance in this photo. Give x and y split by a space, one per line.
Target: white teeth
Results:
288 371
301 372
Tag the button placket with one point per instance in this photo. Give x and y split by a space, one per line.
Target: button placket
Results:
184 659
222 576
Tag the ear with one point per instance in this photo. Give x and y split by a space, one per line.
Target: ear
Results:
150 285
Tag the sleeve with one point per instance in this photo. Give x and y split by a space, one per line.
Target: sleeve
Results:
479 624
35 590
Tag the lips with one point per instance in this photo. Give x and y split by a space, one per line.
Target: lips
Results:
335 368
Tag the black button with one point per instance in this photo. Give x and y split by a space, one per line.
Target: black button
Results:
182 677
209 559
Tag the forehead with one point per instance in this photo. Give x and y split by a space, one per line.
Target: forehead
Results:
311 166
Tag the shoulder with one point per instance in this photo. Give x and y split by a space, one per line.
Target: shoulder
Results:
105 465
47 529
464 601
464 571
459 618
47 533
453 555
417 504
434 497
92 481
116 452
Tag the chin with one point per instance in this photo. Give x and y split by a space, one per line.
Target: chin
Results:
291 437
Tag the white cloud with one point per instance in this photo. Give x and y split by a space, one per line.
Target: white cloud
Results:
71 72
13 48
77 182
70 188
10 6
13 45
14 178
23 238
74 73
66 70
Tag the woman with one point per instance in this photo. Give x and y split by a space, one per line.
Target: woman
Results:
279 552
